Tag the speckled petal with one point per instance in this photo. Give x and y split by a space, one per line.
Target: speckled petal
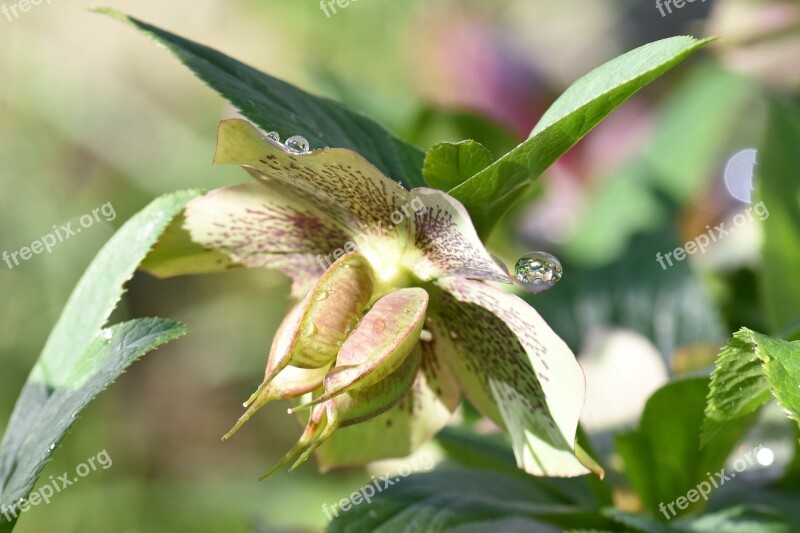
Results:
399 432
380 343
270 227
355 406
515 370
338 182
444 241
326 316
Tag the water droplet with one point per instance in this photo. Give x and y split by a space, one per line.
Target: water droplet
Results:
538 272
378 326
106 334
52 447
321 295
310 329
296 145
425 336
274 136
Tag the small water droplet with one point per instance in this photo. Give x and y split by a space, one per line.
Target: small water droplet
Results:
321 295
453 335
296 145
378 326
310 329
52 447
425 336
274 136
106 334
538 272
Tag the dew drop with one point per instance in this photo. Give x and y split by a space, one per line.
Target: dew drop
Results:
310 329
378 326
321 295
274 136
106 334
537 272
296 145
52 447
425 336
453 335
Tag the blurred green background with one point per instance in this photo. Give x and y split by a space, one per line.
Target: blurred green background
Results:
90 112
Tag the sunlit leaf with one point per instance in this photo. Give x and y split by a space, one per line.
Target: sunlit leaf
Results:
488 194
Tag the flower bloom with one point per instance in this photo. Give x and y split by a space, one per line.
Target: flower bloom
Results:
395 316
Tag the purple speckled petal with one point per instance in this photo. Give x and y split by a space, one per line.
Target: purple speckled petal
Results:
337 182
515 370
258 226
445 242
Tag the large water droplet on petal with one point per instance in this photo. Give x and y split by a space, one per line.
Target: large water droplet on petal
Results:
537 272
296 145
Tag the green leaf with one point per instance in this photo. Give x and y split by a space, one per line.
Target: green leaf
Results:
489 194
463 500
447 165
741 519
80 359
278 106
629 200
750 367
663 459
777 171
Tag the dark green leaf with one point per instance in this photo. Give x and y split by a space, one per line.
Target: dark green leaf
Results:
44 414
275 105
80 359
448 500
488 194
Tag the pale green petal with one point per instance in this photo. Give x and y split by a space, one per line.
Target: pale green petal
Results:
443 241
250 225
516 371
338 182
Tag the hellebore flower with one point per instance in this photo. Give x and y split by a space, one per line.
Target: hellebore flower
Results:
395 315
